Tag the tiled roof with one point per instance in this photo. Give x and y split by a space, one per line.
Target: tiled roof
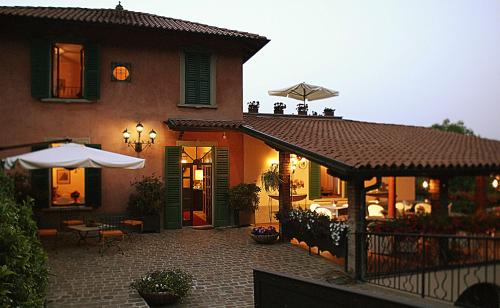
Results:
364 145
187 124
122 17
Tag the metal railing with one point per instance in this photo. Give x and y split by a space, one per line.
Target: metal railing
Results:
435 266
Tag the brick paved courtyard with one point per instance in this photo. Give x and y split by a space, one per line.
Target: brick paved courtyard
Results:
221 262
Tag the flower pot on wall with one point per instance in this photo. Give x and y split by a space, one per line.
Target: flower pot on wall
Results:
152 223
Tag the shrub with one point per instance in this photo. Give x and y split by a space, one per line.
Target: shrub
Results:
23 270
174 281
244 197
148 196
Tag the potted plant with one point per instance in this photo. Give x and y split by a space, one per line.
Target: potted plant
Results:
328 112
145 203
243 197
296 184
264 235
302 109
271 179
253 107
163 287
279 107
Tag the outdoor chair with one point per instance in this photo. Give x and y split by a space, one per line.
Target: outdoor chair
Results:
132 226
112 232
46 230
70 218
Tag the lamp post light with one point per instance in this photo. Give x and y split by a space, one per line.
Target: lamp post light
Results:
139 144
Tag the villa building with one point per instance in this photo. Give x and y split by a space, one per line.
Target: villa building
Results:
101 76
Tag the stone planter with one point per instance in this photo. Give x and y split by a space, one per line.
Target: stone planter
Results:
160 298
265 238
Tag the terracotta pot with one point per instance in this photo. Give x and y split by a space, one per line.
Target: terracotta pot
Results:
160 298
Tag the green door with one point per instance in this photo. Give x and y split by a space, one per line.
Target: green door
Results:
221 187
173 178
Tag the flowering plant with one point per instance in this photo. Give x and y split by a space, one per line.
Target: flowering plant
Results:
174 281
313 227
264 230
296 184
75 194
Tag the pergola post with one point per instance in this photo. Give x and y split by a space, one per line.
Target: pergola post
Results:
439 198
356 254
284 186
391 198
481 194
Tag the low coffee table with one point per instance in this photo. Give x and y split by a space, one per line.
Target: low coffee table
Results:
85 232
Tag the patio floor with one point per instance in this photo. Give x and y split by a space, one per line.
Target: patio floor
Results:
221 262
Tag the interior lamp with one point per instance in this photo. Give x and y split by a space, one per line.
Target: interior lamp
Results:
198 175
425 184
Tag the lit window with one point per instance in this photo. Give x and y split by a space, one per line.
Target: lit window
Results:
68 186
120 71
67 70
330 186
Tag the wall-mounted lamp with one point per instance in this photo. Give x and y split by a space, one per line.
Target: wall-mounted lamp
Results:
495 182
139 144
298 161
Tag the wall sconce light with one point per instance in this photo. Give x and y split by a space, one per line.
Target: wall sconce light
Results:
139 144
298 161
495 183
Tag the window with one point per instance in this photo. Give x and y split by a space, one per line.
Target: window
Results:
67 70
120 71
63 70
330 186
198 82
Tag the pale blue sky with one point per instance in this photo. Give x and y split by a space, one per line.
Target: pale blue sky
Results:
396 61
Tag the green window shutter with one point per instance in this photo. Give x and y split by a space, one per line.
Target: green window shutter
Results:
93 183
197 78
173 178
40 68
91 72
221 187
40 183
314 181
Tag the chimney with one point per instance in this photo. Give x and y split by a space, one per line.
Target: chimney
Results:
279 107
253 107
302 109
329 112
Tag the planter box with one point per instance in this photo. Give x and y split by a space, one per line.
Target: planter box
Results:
152 223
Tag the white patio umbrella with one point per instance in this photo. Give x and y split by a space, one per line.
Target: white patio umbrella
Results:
72 155
304 91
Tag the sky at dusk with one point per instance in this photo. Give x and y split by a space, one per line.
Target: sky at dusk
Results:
412 62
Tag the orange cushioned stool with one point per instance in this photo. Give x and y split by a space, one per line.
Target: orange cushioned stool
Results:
72 222
133 223
110 237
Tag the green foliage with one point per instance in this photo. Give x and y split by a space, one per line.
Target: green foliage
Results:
271 179
244 197
457 127
148 196
174 281
22 186
23 270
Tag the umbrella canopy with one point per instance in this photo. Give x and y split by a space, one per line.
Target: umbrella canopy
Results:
72 155
303 91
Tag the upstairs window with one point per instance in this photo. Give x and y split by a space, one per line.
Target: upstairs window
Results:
61 70
198 73
67 70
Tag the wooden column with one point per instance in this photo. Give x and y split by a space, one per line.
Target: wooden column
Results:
391 199
356 254
439 197
481 194
284 187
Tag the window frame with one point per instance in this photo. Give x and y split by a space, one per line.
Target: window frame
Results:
213 62
53 45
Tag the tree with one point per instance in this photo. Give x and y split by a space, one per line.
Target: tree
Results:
457 127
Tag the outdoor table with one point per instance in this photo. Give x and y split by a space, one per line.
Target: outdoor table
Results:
85 232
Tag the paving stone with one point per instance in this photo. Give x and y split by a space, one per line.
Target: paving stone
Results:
221 262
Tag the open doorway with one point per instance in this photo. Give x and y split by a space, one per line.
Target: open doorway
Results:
197 186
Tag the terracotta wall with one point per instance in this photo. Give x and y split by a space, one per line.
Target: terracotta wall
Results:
151 97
